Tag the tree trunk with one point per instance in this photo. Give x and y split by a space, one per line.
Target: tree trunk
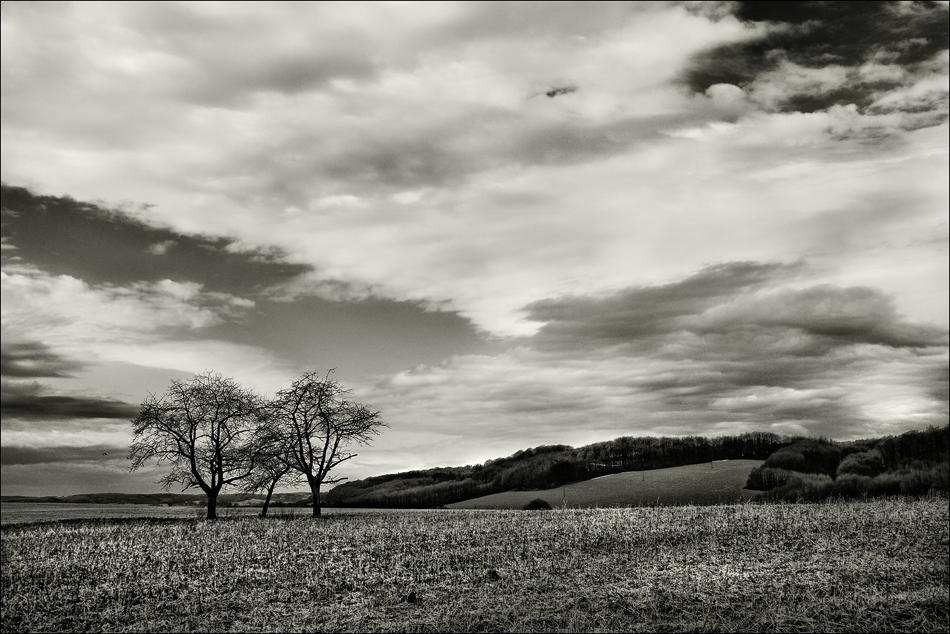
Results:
212 505
270 492
315 490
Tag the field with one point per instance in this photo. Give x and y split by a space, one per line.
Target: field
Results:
716 483
880 565
32 512
24 512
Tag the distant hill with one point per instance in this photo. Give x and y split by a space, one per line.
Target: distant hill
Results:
699 484
162 499
548 467
795 467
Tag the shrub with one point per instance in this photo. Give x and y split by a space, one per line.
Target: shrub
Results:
919 481
886 484
787 459
807 456
806 487
851 485
865 463
537 504
765 478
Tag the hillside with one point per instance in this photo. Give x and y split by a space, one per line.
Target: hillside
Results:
631 471
548 467
699 484
914 463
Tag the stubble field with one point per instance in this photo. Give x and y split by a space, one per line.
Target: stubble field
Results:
845 566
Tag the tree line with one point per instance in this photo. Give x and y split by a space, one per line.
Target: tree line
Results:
546 467
214 434
913 463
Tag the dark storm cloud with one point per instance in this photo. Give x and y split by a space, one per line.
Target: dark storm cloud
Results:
816 35
643 312
940 385
16 455
34 359
31 401
368 337
835 315
98 245
721 304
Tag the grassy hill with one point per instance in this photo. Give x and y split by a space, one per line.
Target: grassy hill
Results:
548 467
707 483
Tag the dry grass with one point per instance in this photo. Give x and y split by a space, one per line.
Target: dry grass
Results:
861 566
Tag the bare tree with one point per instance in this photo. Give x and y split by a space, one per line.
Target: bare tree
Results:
207 429
320 426
273 465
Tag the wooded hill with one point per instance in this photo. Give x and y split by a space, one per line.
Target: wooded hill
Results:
795 468
546 467
913 463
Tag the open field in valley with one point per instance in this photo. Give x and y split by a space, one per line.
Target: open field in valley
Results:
720 482
879 565
32 512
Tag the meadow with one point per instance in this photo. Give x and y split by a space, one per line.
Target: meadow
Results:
720 482
878 565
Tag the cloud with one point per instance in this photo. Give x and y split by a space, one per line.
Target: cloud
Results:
142 324
161 248
16 455
643 312
837 316
104 245
525 397
76 477
436 178
33 359
734 347
72 309
29 401
732 299
815 55
480 79
744 321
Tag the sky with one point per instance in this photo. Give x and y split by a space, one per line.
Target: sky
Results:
503 224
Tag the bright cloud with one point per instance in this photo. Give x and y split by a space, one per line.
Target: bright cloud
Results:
143 324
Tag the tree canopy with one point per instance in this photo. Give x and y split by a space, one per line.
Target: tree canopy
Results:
215 433
320 426
207 429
